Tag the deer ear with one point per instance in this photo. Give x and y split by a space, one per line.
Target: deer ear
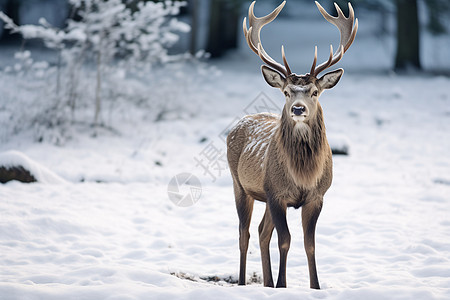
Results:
330 79
272 77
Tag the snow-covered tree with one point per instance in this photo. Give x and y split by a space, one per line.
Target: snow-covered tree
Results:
106 34
140 38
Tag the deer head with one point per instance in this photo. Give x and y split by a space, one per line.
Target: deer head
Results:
301 91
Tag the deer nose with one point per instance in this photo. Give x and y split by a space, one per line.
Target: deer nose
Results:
298 110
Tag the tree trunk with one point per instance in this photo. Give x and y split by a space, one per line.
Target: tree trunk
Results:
436 13
214 46
194 27
223 26
98 88
407 35
10 8
231 27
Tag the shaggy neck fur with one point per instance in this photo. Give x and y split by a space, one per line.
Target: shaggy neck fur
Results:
303 149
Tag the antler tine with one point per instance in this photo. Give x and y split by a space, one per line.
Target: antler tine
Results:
286 65
253 37
347 31
339 11
275 65
330 58
314 61
246 35
263 55
352 37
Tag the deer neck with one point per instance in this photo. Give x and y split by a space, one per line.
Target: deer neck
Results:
303 148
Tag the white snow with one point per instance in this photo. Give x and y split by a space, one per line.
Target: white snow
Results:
383 232
259 135
111 232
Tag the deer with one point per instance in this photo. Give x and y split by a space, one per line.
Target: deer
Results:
285 160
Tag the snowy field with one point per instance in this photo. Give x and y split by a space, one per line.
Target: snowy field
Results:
101 225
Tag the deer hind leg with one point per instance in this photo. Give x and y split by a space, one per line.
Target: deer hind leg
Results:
278 213
310 214
244 206
265 234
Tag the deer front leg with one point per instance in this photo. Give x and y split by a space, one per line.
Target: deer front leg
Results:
265 230
244 206
278 213
310 214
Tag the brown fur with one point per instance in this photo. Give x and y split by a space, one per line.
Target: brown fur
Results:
274 161
285 161
304 156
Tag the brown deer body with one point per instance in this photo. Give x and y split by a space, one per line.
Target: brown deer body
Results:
284 160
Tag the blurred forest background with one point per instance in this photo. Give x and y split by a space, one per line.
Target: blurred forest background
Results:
216 24
104 102
81 63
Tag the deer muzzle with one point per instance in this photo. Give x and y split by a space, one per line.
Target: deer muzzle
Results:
298 110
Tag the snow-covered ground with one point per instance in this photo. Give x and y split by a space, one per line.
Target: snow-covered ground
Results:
108 230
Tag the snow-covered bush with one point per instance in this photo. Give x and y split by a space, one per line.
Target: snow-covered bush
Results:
108 56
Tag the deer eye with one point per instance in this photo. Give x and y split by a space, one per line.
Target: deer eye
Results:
315 93
286 94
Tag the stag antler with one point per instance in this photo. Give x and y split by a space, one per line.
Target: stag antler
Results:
253 37
348 33
343 23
